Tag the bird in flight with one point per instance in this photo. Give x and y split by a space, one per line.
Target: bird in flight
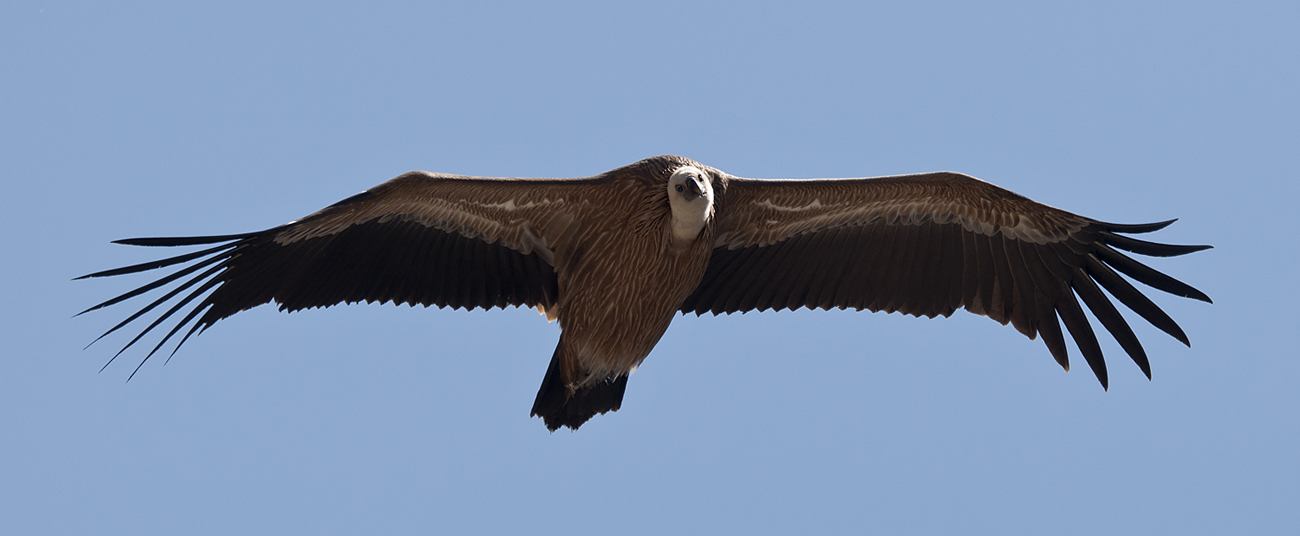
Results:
616 256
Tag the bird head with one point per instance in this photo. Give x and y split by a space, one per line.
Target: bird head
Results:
690 194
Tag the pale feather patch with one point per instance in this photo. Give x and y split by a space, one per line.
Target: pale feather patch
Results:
767 203
769 230
510 206
471 219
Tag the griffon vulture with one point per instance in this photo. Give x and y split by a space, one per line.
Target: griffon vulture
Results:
615 256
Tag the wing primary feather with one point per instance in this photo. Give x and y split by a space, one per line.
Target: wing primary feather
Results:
169 312
1023 306
267 274
1050 329
1056 258
1048 288
193 329
156 303
203 288
1136 228
1152 249
970 274
146 288
953 272
1148 275
1132 298
187 240
1111 319
193 313
987 275
1004 286
1075 321
144 266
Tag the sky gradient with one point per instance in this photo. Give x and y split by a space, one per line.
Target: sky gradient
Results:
160 119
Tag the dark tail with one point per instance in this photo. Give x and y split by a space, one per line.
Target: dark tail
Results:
558 407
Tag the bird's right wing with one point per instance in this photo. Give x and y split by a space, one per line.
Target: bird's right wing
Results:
420 238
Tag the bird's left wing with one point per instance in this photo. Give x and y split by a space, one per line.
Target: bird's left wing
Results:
927 245
420 238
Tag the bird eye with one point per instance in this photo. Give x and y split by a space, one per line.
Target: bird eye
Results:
680 188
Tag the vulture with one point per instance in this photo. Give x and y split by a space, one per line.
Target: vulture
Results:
616 256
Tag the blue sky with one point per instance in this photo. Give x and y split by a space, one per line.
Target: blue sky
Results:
158 119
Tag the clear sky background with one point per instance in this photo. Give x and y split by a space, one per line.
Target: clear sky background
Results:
127 119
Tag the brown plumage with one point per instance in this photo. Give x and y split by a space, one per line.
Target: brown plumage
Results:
614 257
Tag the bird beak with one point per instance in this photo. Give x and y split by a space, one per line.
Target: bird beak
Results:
694 189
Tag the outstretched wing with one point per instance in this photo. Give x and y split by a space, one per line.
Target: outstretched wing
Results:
420 238
927 245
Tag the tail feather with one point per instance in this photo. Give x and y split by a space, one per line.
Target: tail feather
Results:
558 405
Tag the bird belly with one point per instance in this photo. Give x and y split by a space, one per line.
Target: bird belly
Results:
616 307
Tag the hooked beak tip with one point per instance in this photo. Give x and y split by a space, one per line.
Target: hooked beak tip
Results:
695 187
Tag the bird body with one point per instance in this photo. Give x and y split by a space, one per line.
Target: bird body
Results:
620 285
614 257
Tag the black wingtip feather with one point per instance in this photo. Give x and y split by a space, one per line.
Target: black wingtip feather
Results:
160 263
148 287
1137 228
1085 338
1109 316
1149 276
168 241
1153 249
1132 298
